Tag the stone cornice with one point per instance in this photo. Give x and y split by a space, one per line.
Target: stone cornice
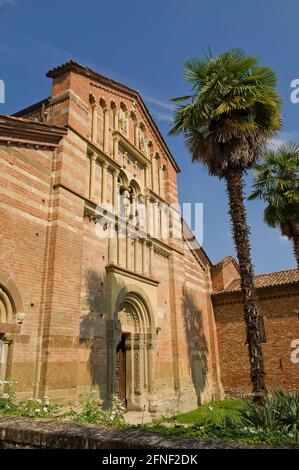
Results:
131 148
112 268
14 129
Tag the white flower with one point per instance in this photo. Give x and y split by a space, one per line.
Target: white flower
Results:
211 408
45 409
37 410
5 396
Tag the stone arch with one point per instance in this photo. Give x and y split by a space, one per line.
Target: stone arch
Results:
134 327
103 103
7 283
92 100
137 291
7 307
123 179
11 304
123 106
135 187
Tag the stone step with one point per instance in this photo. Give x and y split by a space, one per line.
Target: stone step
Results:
138 417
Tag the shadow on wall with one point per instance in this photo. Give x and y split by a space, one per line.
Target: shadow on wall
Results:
197 345
93 330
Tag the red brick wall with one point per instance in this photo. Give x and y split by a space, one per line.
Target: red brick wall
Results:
279 307
25 175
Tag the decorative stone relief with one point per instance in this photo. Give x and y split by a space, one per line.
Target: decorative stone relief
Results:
137 371
141 141
122 122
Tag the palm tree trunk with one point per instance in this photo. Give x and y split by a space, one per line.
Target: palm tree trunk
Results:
296 248
240 229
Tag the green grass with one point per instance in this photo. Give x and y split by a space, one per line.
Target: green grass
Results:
215 411
220 420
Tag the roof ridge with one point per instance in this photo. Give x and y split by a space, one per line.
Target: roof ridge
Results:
96 75
277 272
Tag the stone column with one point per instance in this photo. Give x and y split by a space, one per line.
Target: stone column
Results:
150 259
111 243
161 181
154 173
148 214
94 123
106 129
93 159
151 367
117 245
115 119
128 241
115 147
137 125
135 254
147 177
129 371
155 229
143 265
115 190
164 222
104 181
3 363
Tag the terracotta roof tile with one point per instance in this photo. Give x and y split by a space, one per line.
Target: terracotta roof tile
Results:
279 278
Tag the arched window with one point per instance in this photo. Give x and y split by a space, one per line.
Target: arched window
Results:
7 312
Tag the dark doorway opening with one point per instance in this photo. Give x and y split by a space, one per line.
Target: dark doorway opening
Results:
120 370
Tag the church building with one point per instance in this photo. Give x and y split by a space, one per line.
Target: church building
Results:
102 284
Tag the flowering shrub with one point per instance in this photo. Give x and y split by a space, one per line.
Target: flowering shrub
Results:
32 408
7 397
37 408
91 411
115 414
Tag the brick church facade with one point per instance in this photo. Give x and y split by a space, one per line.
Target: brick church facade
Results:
101 283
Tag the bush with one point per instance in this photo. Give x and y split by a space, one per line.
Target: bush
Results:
7 397
280 413
91 411
31 408
37 408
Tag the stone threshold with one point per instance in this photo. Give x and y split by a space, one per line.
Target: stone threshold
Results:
49 434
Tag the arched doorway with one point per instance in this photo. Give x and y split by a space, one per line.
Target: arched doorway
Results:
7 313
132 364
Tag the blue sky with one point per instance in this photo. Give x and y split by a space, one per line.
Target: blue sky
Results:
144 45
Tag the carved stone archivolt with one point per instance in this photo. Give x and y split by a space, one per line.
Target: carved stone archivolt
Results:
135 326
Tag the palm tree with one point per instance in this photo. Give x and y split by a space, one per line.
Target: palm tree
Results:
277 183
233 110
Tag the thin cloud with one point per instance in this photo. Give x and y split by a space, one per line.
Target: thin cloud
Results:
157 102
162 116
282 138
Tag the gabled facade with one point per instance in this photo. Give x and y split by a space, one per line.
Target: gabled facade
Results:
102 285
108 292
